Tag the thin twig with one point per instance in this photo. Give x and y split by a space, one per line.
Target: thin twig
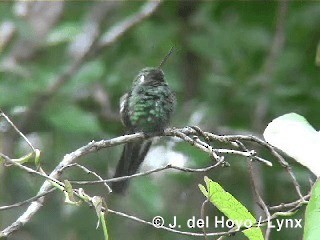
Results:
259 198
298 202
17 130
34 198
55 174
94 174
284 163
169 166
134 218
30 170
194 142
203 206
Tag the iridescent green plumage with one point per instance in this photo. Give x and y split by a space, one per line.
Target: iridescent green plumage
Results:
148 108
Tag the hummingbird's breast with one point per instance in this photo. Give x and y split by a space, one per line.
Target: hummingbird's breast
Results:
150 107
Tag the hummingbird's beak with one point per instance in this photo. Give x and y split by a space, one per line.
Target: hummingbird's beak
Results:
166 58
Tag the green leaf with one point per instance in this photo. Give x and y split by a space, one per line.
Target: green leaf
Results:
312 215
63 33
232 208
203 190
104 226
24 159
98 203
37 158
292 134
253 233
69 118
85 197
69 194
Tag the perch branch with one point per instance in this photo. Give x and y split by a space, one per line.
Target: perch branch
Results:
186 134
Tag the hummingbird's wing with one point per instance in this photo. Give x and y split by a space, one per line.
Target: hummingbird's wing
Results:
124 110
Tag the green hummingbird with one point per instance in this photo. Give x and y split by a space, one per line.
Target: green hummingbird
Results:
147 108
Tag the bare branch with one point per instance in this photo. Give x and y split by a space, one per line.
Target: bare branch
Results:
93 25
269 66
96 47
188 134
120 29
272 150
55 174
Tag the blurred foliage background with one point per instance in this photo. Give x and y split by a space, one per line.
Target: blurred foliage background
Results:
237 66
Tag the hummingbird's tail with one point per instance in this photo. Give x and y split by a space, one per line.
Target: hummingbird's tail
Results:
132 156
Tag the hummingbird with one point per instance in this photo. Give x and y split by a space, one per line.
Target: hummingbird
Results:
147 108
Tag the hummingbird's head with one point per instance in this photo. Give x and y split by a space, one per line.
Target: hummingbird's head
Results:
149 75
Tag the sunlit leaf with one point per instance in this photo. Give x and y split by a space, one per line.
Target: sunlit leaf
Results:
24 159
312 215
292 134
231 207
69 194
